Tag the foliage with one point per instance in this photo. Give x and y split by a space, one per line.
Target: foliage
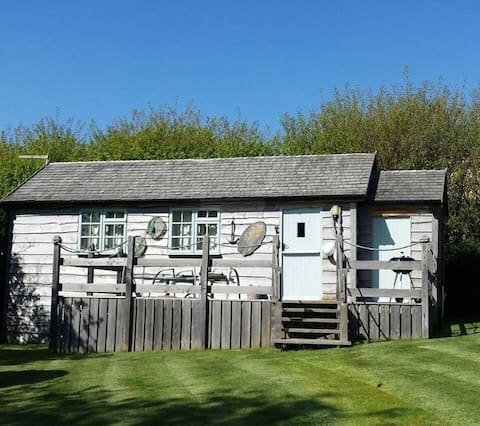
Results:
429 126
403 382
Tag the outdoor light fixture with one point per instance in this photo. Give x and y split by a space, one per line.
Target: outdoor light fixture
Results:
335 212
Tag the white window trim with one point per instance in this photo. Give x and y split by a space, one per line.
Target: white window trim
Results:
195 220
103 220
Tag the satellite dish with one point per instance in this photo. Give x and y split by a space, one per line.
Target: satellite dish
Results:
156 228
140 246
251 239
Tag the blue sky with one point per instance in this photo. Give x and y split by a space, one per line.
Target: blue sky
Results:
258 59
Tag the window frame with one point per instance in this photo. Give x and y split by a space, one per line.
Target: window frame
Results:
103 222
195 221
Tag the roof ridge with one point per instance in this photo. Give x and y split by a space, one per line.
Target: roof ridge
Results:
413 170
214 158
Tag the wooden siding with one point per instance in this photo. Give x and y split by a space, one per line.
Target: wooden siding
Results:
32 249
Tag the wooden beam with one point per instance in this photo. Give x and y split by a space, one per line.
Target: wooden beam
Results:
353 241
203 314
425 290
384 292
101 262
55 287
343 325
275 269
93 288
373 265
170 262
129 291
241 263
168 288
239 289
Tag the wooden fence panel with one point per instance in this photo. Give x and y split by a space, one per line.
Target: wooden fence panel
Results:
236 325
384 321
225 340
176 323
91 324
186 324
246 324
158 336
406 322
149 324
416 322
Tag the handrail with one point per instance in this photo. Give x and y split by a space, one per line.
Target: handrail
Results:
395 265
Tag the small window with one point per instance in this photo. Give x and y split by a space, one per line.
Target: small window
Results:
301 230
188 226
105 230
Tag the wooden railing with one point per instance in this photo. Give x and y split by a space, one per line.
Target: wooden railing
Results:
419 296
201 289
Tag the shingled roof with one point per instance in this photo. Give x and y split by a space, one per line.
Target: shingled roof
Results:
408 186
322 176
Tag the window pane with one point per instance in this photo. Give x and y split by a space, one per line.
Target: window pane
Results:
95 217
187 216
186 244
201 229
109 230
202 213
84 243
119 230
177 216
176 230
175 243
114 214
187 230
212 229
95 230
212 213
85 232
86 217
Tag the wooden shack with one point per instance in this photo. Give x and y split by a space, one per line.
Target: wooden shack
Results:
223 253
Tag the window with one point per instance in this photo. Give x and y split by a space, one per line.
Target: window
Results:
188 226
105 229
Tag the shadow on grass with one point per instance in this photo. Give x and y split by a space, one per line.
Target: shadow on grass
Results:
24 354
459 327
98 406
28 377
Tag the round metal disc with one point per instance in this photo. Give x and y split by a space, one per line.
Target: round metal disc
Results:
156 228
251 238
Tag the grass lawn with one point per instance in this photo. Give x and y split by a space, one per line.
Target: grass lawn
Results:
408 382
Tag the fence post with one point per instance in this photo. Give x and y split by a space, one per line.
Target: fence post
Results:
343 322
204 289
57 240
276 310
341 284
129 289
425 290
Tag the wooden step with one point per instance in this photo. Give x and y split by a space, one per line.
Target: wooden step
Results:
312 330
311 310
317 320
313 342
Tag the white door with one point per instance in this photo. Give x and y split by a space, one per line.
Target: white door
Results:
389 233
302 260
